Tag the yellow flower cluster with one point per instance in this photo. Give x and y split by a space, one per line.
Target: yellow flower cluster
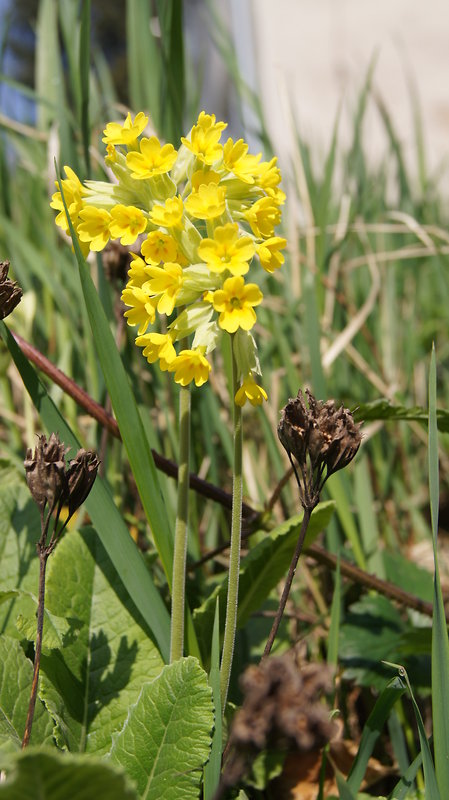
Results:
201 215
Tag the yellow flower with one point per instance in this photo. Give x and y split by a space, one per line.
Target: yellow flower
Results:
269 253
263 216
251 391
153 159
208 202
235 303
127 222
169 215
237 160
73 194
202 176
159 246
190 365
143 307
227 250
205 137
137 275
165 282
115 133
157 346
94 227
268 174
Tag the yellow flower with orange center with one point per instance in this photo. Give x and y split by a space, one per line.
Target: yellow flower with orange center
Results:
235 303
227 250
152 159
127 222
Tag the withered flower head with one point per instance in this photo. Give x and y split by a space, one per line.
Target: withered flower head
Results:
52 482
321 437
10 291
282 710
45 471
81 474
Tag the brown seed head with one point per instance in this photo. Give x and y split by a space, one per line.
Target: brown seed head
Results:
10 291
321 437
81 474
45 471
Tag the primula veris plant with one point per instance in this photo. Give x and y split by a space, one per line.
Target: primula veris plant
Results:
201 218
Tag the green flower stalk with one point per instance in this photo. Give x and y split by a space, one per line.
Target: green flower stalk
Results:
199 220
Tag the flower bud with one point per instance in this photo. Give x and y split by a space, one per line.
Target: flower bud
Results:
10 291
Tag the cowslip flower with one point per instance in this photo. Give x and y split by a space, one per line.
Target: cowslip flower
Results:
128 132
250 390
235 303
157 347
127 223
152 159
200 213
227 250
190 365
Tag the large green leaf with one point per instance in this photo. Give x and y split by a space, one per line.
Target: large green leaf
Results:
103 512
166 738
25 611
52 776
90 684
16 675
260 571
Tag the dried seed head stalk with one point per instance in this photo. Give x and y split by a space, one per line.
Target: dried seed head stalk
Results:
321 437
282 710
10 291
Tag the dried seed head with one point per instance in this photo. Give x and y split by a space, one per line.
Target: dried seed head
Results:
116 260
81 474
321 437
10 291
45 471
282 710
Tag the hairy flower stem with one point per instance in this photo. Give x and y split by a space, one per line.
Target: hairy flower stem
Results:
180 552
43 556
234 555
289 581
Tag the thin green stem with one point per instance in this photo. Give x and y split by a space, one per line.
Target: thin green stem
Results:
180 551
234 555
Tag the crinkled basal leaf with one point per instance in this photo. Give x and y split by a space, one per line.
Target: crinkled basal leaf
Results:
166 738
61 777
56 629
16 674
19 532
90 684
260 571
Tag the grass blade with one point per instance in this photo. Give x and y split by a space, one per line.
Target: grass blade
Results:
84 71
440 645
104 514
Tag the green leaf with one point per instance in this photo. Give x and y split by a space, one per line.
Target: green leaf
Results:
383 409
16 675
90 684
334 629
58 777
55 628
440 644
167 735
104 514
260 571
372 730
